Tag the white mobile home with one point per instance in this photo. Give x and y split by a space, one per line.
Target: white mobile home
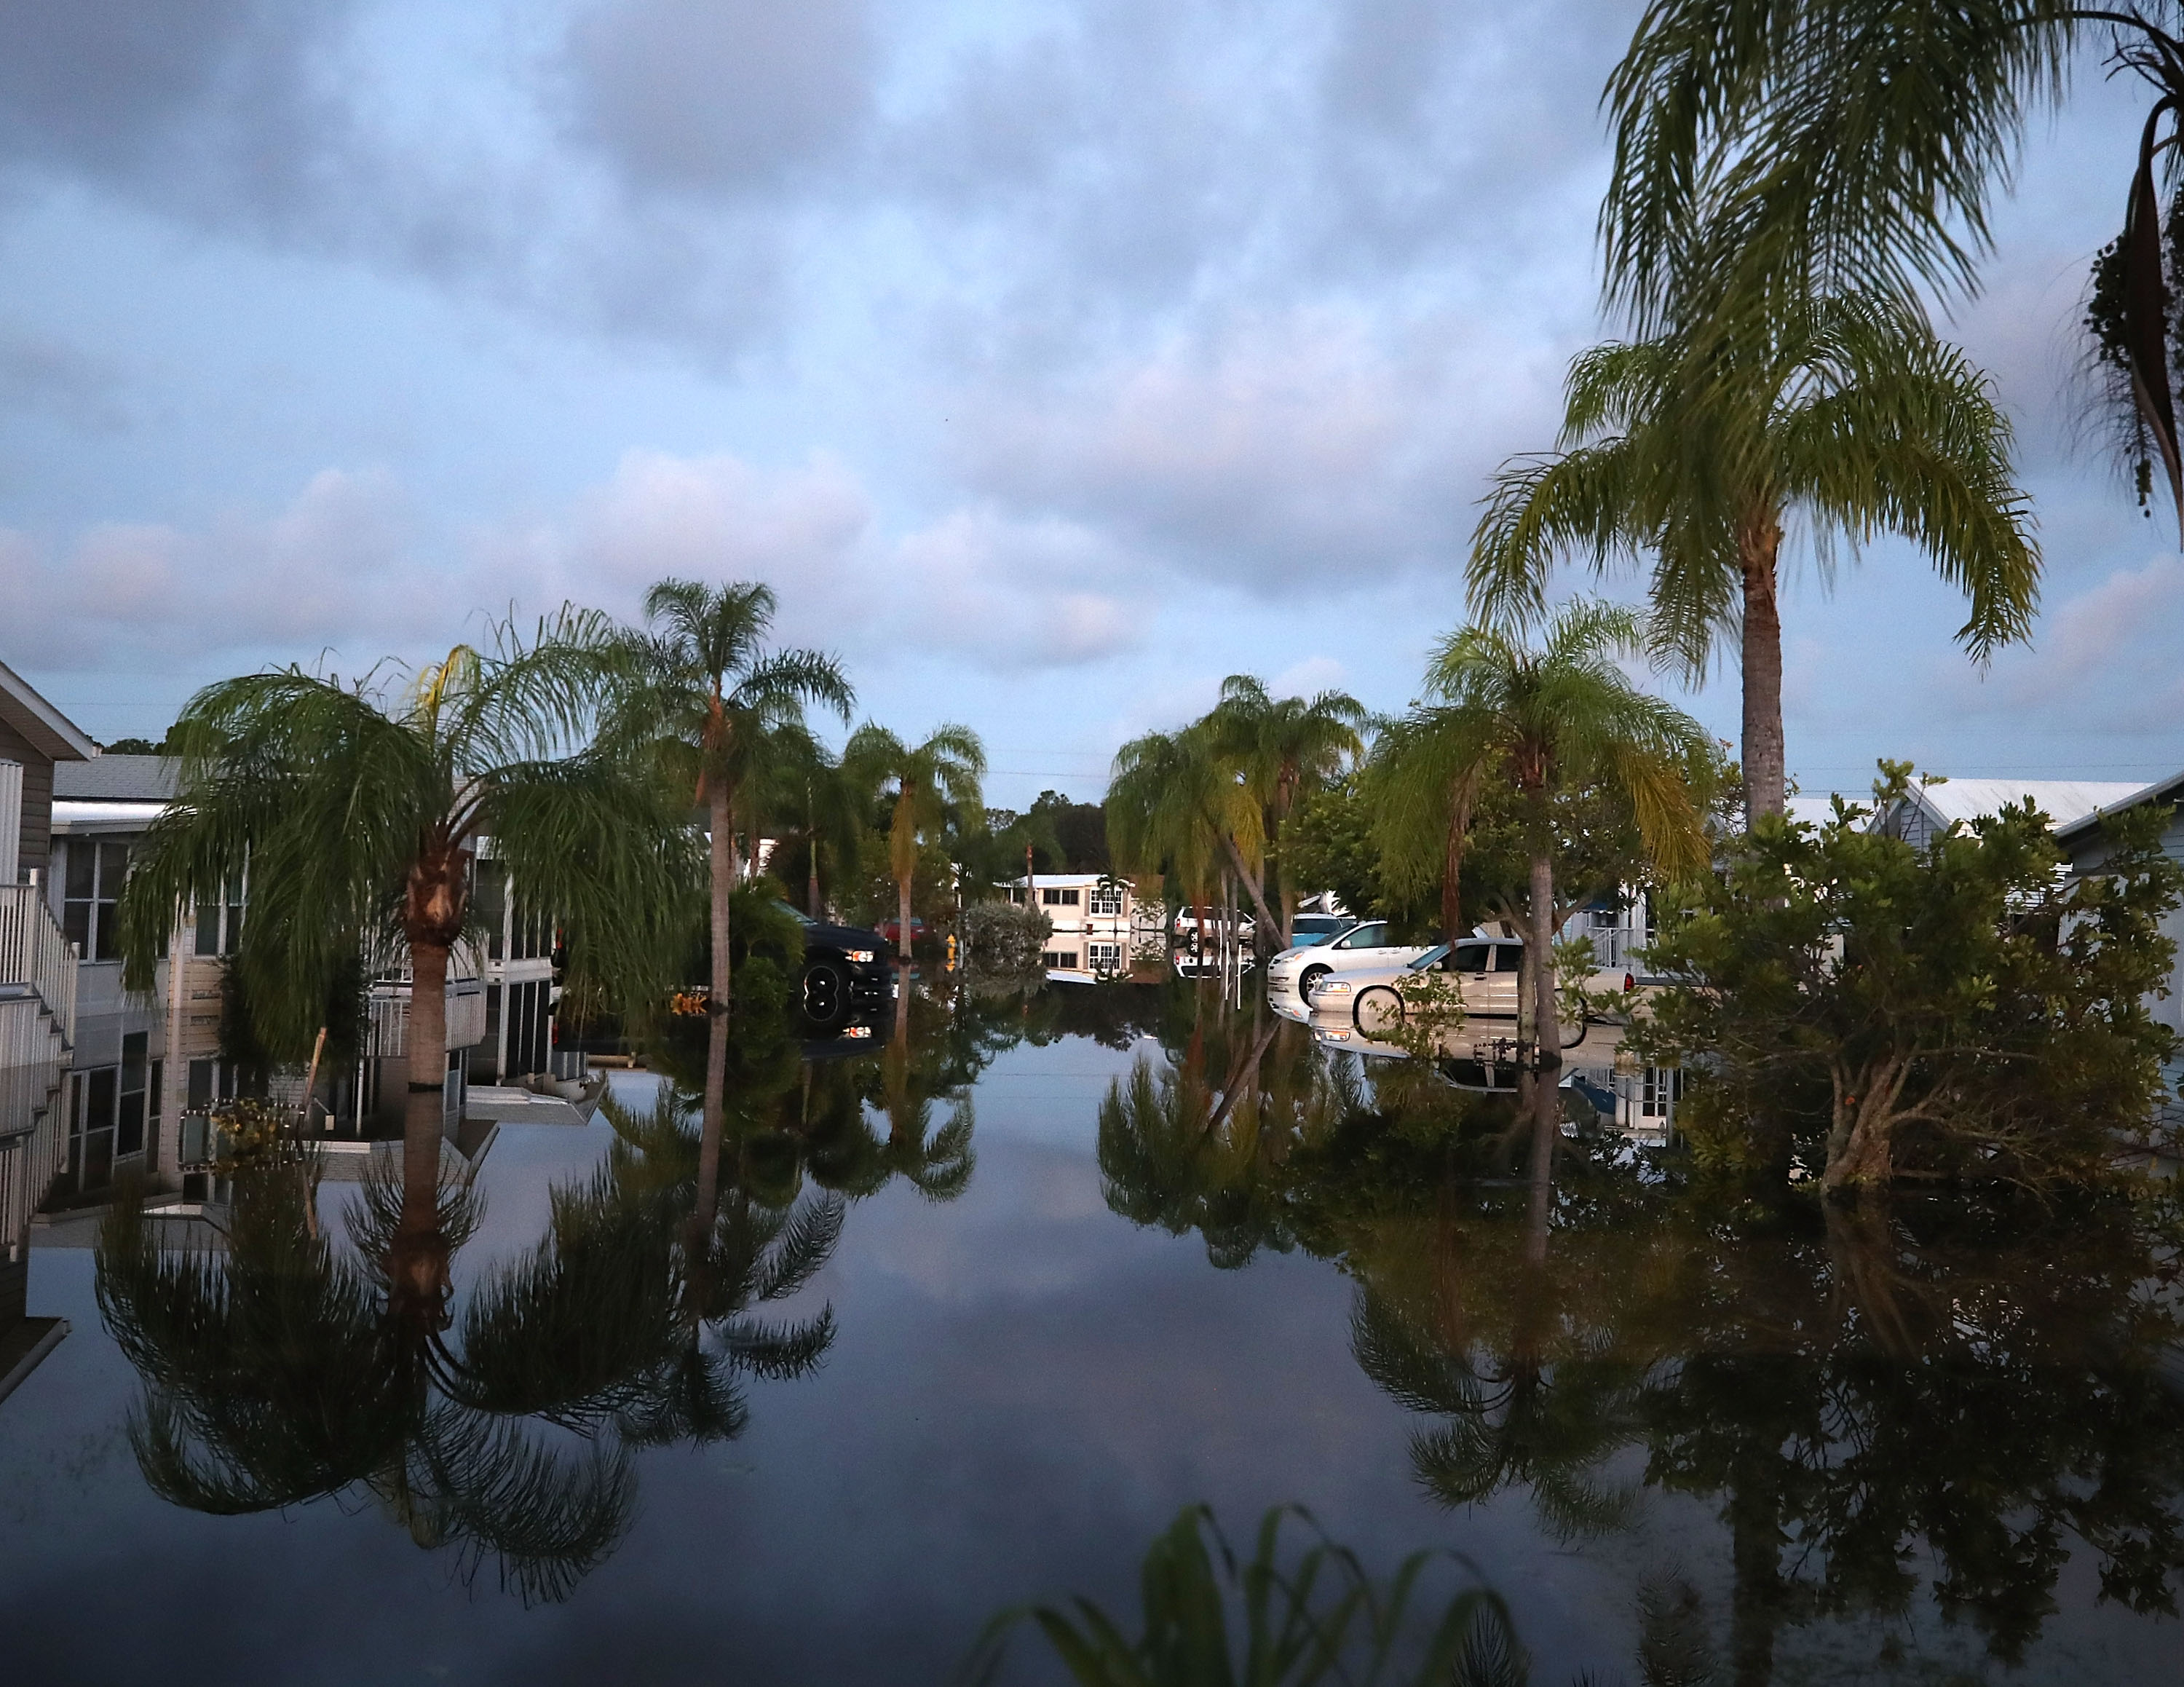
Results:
1092 915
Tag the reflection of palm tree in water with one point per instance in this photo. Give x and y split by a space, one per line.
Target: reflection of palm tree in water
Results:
285 1369
1517 1423
1176 1153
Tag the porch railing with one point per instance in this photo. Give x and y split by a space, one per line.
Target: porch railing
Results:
37 961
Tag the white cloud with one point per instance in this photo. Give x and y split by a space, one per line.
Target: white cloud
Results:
335 565
1013 595
1270 450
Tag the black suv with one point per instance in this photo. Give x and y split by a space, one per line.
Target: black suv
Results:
845 968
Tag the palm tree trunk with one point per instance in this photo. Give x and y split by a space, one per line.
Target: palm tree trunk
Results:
1765 778
417 1270
1451 871
1267 919
424 1119
902 920
1545 1032
712 1122
811 883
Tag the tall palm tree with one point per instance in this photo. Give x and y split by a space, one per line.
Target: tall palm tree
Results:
1840 144
1286 748
357 811
1561 718
815 800
726 715
1698 447
924 782
1178 803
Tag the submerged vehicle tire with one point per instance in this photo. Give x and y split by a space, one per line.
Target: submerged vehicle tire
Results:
1308 981
823 992
1378 1009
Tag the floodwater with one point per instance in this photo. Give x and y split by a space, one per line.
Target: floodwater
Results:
990 1304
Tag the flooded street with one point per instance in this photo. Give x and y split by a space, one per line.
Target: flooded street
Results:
1165 1252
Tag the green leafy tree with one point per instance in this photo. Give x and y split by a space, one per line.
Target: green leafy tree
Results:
1284 749
726 718
1698 448
1873 1011
926 785
357 813
1561 718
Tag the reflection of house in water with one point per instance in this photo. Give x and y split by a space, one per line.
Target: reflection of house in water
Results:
38 1028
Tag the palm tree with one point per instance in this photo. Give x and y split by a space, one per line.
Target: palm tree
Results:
1559 718
725 716
1179 803
1840 144
817 803
1286 748
1698 447
925 782
357 814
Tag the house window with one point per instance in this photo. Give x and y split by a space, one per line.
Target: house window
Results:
135 1089
1107 899
1105 957
91 1097
96 868
1061 960
219 923
1059 898
1659 1088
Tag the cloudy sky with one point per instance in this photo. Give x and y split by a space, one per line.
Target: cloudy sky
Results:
1052 359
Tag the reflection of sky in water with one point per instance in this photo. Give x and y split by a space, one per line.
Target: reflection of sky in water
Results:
1023 1390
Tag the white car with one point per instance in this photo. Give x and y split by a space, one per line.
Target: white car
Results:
1295 974
1485 971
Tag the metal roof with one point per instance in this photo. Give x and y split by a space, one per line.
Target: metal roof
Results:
2063 801
2172 787
118 779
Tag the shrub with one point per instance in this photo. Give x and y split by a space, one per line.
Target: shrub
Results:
1001 936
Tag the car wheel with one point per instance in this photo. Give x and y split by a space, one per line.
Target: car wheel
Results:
824 992
1378 1009
1309 980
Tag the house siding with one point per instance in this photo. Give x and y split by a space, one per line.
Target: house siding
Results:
34 844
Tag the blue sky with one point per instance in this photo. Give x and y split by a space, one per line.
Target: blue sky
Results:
1052 359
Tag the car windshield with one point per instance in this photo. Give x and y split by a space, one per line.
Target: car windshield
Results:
799 915
1431 958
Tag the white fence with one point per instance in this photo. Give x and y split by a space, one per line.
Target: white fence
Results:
36 959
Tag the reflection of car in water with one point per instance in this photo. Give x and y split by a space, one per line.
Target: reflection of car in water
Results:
1606 1085
1295 974
823 1042
845 968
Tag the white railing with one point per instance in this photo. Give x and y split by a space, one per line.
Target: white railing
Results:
388 1008
35 957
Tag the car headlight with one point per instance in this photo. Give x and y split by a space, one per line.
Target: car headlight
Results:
1333 988
857 1030
862 956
